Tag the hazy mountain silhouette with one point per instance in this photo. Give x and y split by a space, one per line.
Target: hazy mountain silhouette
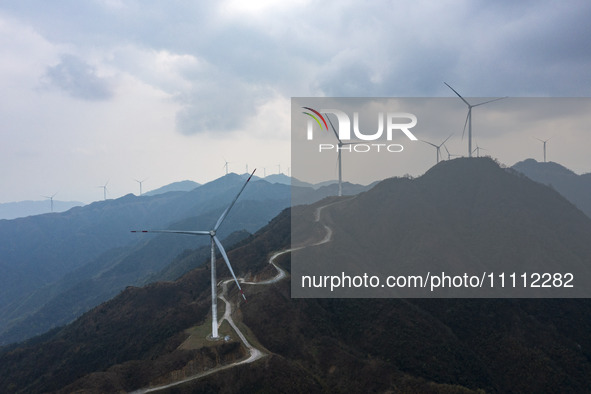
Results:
21 209
342 345
56 266
576 188
182 186
278 178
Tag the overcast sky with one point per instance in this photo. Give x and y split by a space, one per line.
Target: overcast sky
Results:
109 90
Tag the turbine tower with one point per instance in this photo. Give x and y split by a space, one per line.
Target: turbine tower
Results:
105 190
214 241
140 182
438 147
544 142
469 117
51 200
226 165
340 145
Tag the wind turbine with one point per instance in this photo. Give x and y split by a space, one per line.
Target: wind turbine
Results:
477 150
340 145
51 200
105 190
438 147
449 155
226 165
214 241
544 142
469 117
264 172
279 168
140 182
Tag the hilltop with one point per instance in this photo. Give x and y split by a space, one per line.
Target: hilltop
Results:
461 216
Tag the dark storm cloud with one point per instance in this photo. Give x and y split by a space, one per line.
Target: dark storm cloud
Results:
78 79
380 48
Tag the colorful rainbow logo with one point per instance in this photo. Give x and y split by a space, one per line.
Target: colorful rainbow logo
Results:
316 118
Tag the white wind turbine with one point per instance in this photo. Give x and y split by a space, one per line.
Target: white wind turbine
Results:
140 182
214 241
51 200
469 117
340 145
544 142
226 165
438 147
104 190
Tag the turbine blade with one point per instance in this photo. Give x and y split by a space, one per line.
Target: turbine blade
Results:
427 142
225 256
459 95
466 122
333 129
225 213
445 140
489 101
173 232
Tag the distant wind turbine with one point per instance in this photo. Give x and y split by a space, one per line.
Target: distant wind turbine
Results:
438 147
214 241
105 190
140 182
544 142
264 172
51 200
477 150
339 149
279 168
449 155
226 165
469 117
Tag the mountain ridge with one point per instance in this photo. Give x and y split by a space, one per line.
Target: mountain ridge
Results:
330 345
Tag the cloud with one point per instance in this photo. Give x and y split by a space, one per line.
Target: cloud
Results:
78 79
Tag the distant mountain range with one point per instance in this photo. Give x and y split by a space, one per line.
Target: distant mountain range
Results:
182 186
21 209
575 188
347 345
56 266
